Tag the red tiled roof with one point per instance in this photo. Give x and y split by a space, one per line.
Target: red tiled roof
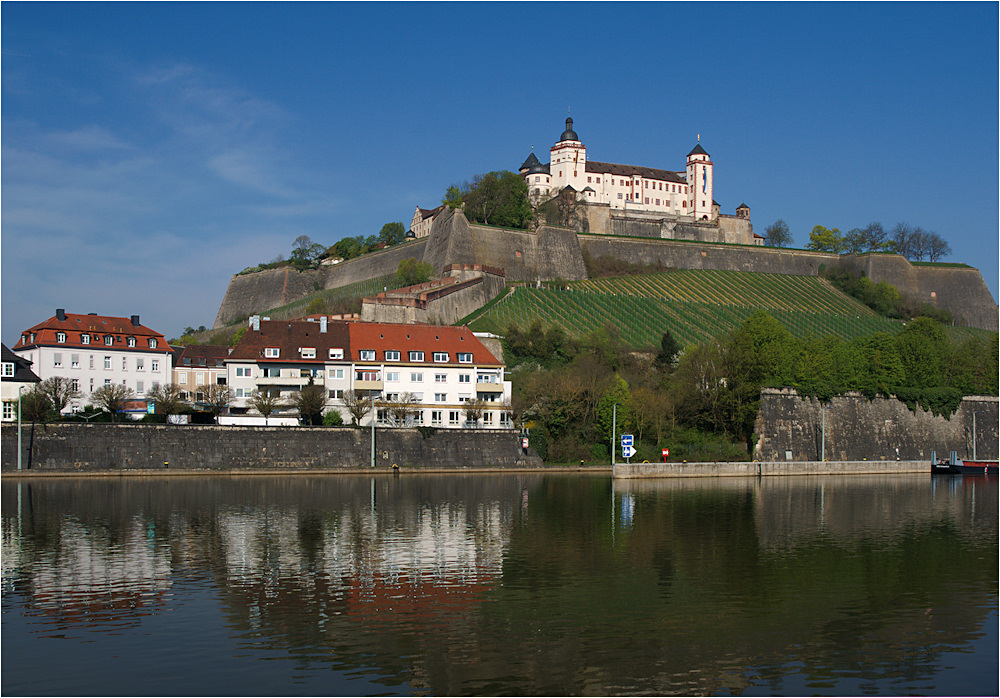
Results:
288 336
630 170
200 355
97 327
426 338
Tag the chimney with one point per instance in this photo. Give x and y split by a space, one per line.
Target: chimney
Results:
322 324
135 320
61 314
255 323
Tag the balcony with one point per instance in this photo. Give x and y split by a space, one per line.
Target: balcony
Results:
489 387
285 380
367 385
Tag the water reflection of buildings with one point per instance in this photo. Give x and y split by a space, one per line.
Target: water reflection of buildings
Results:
91 576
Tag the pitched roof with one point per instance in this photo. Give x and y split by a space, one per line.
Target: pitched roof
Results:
425 338
631 170
97 327
200 355
22 367
289 336
697 150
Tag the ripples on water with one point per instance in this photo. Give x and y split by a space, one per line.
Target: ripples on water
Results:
499 584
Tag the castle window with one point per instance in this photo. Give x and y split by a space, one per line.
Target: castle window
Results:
588 180
657 202
684 204
647 199
560 173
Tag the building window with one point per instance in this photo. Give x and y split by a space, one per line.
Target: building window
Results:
272 373
464 378
416 356
647 199
487 419
657 202
392 376
154 365
465 358
8 410
242 371
336 394
453 417
588 180
308 352
391 355
124 363
138 387
130 342
416 377
85 338
619 195
61 337
107 363
336 353
441 357
182 378
366 375
271 352
8 369
140 365
486 378
199 379
440 397
440 377
239 392
108 340
337 373
152 343
366 355
435 417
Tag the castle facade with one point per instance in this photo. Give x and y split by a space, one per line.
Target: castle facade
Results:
683 194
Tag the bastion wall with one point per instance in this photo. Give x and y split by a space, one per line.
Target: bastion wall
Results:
550 252
859 429
89 447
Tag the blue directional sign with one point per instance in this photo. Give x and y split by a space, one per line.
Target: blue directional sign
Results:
628 451
626 440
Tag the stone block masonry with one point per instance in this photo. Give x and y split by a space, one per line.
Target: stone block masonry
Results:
882 429
122 447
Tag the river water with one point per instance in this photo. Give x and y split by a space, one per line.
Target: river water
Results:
526 584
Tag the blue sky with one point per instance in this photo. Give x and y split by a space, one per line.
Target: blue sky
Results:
149 150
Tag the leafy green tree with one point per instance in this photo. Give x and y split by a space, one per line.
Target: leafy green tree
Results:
392 233
410 272
498 198
347 248
669 348
825 240
925 353
36 406
333 418
310 402
880 366
616 394
305 253
974 367
777 234
454 194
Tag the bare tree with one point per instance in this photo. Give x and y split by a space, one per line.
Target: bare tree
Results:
402 408
60 391
217 398
265 402
777 234
475 409
112 397
166 397
938 248
902 239
358 404
36 406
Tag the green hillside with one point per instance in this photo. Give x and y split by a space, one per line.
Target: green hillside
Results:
695 305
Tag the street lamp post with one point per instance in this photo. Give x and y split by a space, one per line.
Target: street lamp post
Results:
19 389
374 415
614 423
974 434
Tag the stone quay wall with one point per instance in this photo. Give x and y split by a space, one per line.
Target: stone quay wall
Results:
883 429
122 447
636 471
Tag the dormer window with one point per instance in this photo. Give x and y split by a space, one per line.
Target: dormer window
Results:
61 337
130 341
308 352
391 355
85 338
440 357
465 358
152 343
109 340
366 355
337 354
8 369
271 352
416 356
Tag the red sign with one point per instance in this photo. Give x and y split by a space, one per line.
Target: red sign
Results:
666 452
524 442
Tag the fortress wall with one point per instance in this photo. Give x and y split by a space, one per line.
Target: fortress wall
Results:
683 254
961 291
858 429
523 255
261 291
446 309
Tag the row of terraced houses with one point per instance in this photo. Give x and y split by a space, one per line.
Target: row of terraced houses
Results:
436 370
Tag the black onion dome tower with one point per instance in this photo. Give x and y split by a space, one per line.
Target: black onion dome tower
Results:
569 134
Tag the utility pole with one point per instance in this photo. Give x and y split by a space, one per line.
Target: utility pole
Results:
373 429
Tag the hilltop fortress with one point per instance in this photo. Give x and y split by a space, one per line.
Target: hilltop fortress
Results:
635 214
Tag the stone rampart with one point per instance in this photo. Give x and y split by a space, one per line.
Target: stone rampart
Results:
959 290
882 429
90 447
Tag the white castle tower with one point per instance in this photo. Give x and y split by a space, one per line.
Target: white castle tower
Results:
699 177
